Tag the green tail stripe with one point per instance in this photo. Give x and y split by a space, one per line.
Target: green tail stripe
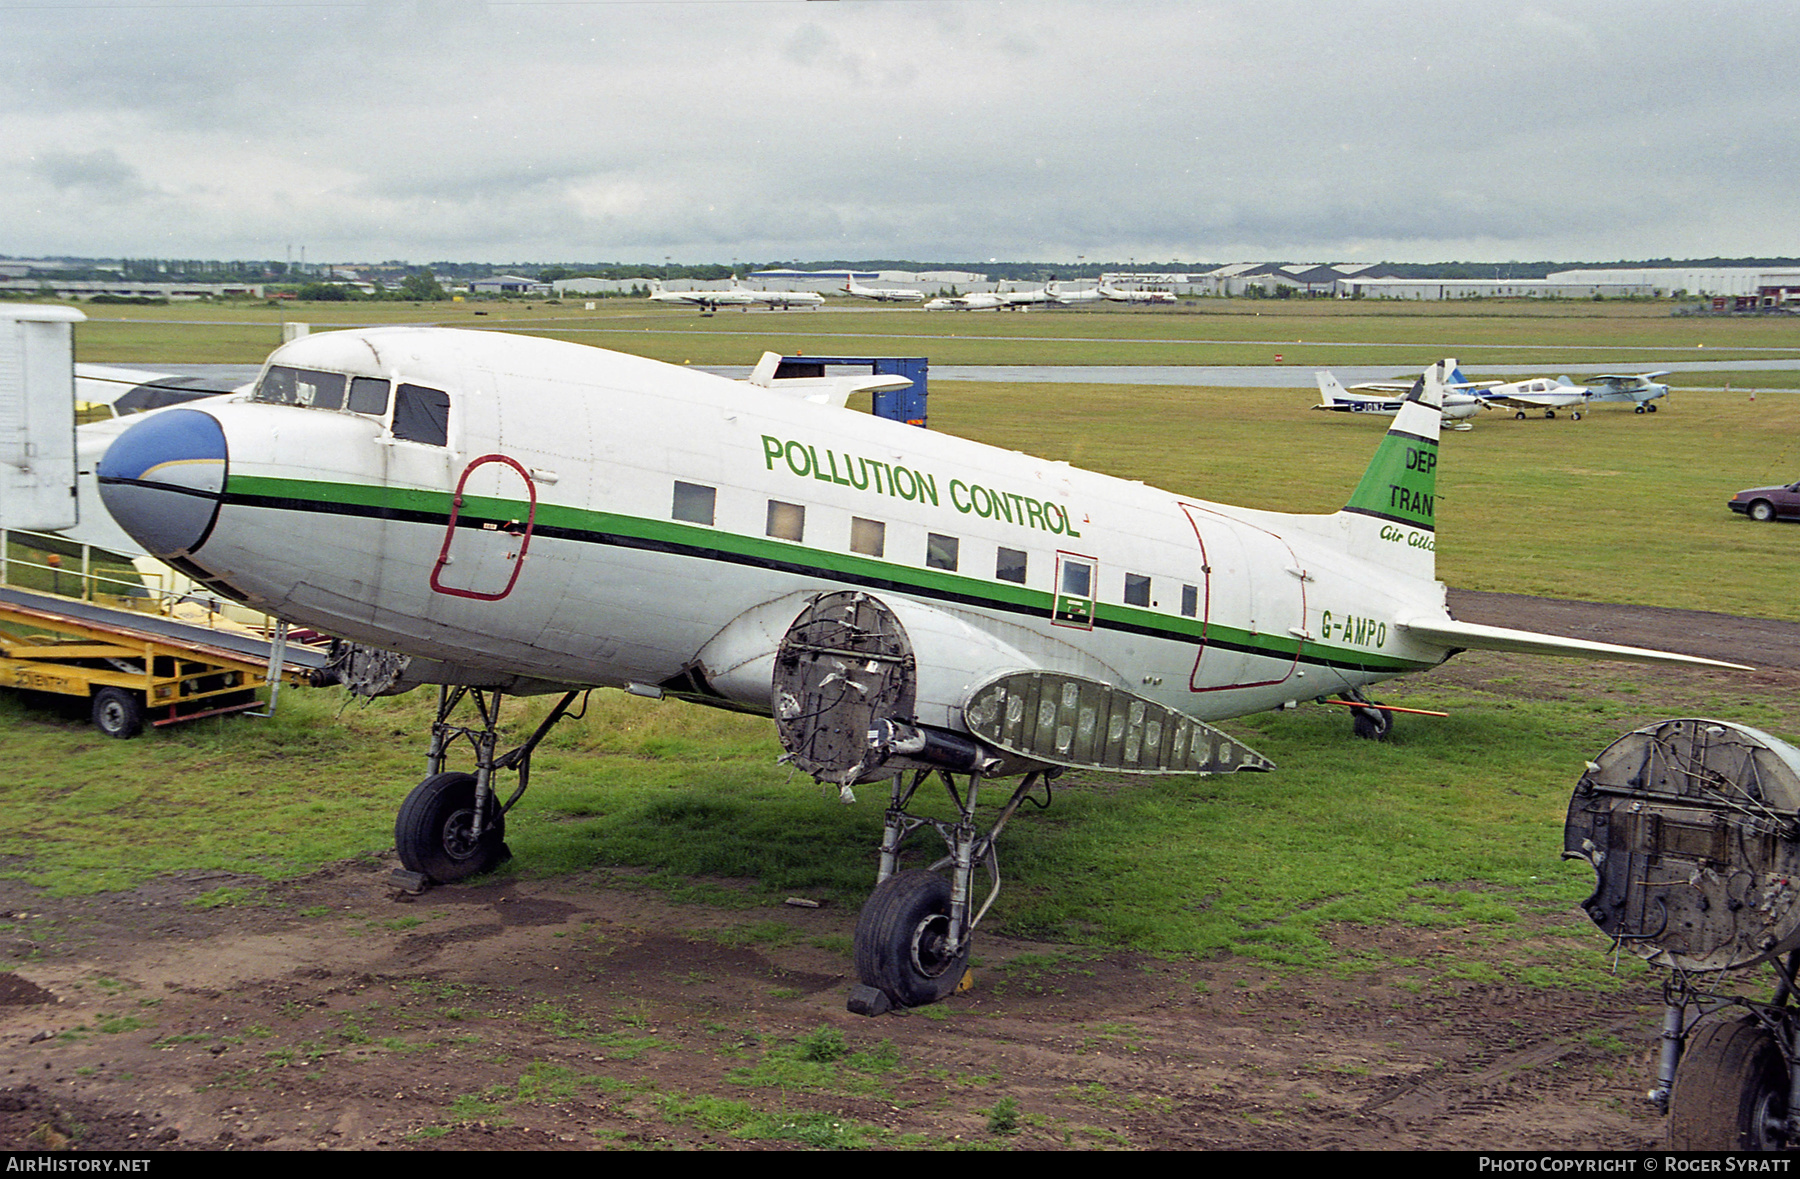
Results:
1401 482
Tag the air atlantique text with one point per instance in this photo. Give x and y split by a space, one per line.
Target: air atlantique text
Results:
867 474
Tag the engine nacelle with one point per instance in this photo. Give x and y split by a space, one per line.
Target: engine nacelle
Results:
1692 828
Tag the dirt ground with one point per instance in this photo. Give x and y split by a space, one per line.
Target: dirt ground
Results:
582 1012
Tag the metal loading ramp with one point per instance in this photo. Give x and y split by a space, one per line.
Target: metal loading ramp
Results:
139 669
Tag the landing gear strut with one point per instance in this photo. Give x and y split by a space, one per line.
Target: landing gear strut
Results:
914 934
453 825
1729 1083
1369 721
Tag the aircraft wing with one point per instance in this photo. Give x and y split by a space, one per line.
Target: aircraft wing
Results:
1535 400
1627 380
1475 636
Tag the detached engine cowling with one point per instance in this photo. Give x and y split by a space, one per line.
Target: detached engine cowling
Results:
1693 830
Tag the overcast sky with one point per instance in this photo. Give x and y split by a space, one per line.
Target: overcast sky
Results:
701 130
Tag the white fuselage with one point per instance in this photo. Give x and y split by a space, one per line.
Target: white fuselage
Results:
623 521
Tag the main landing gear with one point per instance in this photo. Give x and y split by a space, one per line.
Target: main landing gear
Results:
453 824
915 930
1727 1082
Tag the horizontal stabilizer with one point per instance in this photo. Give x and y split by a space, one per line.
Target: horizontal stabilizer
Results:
1474 636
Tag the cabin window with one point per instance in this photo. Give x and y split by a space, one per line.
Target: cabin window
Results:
868 537
694 502
1009 565
1190 601
1137 589
941 551
786 521
368 395
422 415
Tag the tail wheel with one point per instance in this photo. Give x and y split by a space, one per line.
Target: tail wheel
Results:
903 938
1371 723
1731 1091
434 831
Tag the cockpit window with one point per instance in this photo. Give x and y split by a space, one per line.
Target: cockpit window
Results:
368 395
301 386
422 415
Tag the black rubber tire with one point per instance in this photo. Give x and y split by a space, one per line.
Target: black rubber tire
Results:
1640 408
1371 724
1575 417
1520 416
431 830
1731 1083
1652 407
900 936
1762 510
118 713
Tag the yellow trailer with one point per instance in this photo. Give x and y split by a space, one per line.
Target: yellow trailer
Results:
138 669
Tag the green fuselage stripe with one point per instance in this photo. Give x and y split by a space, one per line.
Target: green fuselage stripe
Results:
584 526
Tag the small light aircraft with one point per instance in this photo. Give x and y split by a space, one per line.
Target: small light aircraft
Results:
883 294
1386 397
1135 294
497 513
736 296
1562 393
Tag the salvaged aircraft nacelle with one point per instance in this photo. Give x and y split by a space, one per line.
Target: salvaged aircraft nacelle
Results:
1693 830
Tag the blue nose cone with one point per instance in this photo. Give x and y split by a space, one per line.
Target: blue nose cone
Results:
163 478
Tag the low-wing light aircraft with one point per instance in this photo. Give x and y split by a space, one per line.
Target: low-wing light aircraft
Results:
736 296
883 294
498 513
1386 397
1562 393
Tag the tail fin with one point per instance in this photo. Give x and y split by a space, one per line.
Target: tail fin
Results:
1329 388
1391 516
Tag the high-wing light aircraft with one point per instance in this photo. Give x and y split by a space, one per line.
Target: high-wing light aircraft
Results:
1562 393
1639 388
736 296
1386 397
499 513
883 294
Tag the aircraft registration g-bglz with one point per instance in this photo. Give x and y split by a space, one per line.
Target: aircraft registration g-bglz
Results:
508 514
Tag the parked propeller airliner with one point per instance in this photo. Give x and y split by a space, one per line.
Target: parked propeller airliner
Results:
497 513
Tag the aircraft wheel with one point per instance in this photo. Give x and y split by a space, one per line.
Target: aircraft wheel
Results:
1371 723
901 937
1762 510
1519 417
1640 408
1549 413
1575 417
118 713
432 831
1651 407
1731 1090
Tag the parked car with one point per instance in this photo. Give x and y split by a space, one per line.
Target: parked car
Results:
1768 503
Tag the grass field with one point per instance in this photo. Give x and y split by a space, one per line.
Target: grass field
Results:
1458 821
